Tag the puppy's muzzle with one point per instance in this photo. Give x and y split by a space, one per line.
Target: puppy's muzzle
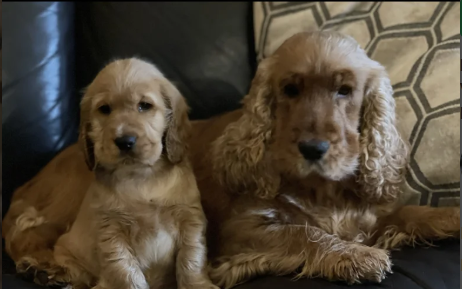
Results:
125 143
313 150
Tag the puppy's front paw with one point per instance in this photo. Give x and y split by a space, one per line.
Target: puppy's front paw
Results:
362 263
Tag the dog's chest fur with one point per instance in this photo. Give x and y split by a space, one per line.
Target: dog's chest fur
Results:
148 211
331 206
154 238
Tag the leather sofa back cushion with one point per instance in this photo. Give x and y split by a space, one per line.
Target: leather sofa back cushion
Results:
39 101
205 48
55 49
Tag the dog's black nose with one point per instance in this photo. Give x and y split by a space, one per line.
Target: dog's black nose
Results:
313 150
125 143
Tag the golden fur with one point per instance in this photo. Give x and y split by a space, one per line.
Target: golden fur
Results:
269 210
273 212
141 223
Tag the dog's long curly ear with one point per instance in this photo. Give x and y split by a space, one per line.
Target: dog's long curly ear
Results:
383 152
178 132
241 160
85 143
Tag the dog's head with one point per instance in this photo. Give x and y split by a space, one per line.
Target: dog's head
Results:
318 105
130 115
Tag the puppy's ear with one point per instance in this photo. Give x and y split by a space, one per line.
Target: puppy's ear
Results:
384 153
241 160
178 130
85 143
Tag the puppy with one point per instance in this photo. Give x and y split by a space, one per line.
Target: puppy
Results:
141 223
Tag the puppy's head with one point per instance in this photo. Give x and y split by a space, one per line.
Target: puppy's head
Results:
131 115
302 116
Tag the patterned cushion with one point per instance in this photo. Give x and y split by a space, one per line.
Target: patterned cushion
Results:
418 43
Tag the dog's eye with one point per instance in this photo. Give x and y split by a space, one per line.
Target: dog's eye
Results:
291 90
344 91
105 109
143 106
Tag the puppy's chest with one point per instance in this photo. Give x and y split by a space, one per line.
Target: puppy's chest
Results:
154 238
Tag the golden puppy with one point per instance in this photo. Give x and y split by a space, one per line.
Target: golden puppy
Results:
141 223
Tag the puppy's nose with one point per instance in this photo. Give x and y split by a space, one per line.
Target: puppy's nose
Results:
313 150
125 143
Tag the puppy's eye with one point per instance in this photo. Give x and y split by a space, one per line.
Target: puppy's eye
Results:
143 106
105 109
344 91
291 90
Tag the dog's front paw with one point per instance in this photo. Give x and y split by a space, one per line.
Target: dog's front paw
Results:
450 222
43 273
362 263
227 272
204 284
220 272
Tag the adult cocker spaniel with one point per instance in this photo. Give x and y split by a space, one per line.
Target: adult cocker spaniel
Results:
311 169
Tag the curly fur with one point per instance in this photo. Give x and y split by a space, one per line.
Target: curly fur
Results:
383 152
283 214
246 141
242 157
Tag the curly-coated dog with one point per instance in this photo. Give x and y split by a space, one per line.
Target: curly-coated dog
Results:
308 173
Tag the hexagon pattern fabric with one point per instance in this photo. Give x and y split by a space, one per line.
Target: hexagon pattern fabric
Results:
419 44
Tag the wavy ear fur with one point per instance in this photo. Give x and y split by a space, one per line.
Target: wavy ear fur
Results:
85 143
384 154
178 130
241 159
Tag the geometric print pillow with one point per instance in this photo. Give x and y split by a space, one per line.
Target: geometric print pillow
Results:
419 45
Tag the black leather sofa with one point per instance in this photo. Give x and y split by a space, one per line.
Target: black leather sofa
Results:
53 49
